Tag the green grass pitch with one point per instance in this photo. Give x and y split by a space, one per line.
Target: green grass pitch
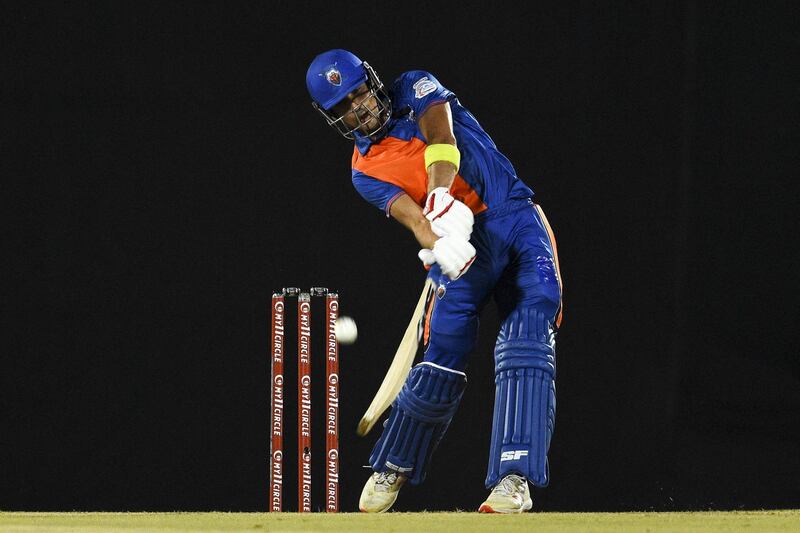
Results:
426 522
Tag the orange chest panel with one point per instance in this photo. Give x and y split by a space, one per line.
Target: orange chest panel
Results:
402 163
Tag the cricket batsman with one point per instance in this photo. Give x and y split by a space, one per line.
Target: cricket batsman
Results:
424 159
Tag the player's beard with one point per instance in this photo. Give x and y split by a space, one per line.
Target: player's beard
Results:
372 124
369 125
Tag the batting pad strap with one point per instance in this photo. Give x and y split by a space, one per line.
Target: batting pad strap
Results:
443 368
419 418
442 152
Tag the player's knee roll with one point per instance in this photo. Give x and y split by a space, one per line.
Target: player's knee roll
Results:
526 340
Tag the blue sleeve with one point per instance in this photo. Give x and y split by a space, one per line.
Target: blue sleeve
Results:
378 193
420 90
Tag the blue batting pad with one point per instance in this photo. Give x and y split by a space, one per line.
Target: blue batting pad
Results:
419 418
524 405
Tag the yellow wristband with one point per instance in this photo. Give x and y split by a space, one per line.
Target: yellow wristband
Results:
442 152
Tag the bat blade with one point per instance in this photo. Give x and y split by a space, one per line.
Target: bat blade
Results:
398 370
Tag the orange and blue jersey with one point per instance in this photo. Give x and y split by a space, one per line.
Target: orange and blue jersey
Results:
393 165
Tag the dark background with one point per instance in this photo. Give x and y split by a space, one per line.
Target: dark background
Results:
163 173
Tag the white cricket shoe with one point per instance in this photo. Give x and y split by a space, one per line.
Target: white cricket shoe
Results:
380 491
511 495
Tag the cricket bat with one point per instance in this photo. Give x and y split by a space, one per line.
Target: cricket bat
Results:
398 370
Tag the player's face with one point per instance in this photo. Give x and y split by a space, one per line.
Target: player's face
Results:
359 110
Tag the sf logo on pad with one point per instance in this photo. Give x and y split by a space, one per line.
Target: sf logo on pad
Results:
513 455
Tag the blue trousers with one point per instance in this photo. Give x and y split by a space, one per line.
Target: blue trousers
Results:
516 263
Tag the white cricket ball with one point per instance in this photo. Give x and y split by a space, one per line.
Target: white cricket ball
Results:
346 330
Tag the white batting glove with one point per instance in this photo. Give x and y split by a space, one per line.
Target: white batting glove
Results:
426 256
447 215
453 254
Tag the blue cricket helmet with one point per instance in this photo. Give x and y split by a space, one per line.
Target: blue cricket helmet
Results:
333 75
336 73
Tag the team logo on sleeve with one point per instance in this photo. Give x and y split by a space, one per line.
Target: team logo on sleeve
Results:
333 76
423 87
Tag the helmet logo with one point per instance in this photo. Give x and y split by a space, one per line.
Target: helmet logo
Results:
333 76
